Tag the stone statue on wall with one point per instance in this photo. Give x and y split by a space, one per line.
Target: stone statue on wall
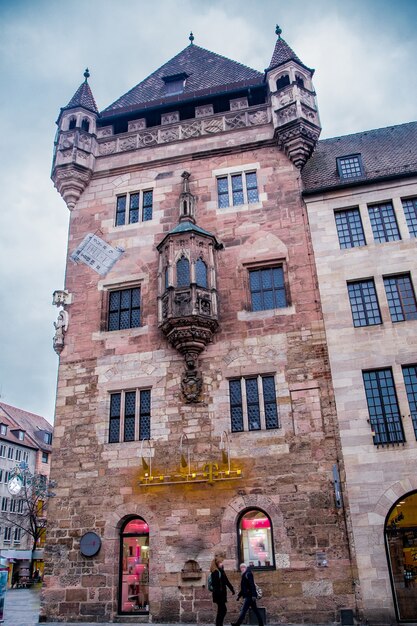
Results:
61 327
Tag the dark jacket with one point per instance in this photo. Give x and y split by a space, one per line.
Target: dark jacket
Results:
220 583
247 585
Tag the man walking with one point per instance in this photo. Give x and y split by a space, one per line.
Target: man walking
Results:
249 595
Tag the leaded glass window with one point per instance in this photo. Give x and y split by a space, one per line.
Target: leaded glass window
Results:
253 403
236 407
201 273
364 303
350 166
130 402
124 309
410 211
349 228
410 379
270 402
401 298
237 189
135 407
145 414
384 413
267 288
183 272
114 428
140 205
383 222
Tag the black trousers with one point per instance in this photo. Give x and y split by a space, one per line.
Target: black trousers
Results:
249 603
221 613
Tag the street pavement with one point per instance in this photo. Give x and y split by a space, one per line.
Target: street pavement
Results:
22 609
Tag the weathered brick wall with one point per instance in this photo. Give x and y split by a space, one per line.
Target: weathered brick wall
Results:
286 472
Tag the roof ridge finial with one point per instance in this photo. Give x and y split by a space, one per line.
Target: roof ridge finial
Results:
191 38
86 74
278 31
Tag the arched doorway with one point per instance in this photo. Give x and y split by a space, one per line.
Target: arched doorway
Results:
134 567
401 544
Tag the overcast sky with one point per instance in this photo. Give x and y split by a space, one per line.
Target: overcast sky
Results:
364 53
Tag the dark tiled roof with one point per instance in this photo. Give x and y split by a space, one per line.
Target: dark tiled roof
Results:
206 71
83 97
186 227
386 152
34 425
283 53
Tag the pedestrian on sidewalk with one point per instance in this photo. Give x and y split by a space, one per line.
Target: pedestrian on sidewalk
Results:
220 582
249 595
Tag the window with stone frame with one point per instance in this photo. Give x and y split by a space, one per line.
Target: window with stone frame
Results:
384 412
364 303
401 298
17 535
130 415
410 212
410 380
349 228
134 207
267 288
350 166
124 309
253 403
237 189
7 534
3 450
384 222
4 503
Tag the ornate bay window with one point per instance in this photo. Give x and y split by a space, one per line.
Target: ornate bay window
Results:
187 290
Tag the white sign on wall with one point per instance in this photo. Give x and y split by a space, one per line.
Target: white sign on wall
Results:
97 254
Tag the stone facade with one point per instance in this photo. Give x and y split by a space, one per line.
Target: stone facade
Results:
377 477
285 472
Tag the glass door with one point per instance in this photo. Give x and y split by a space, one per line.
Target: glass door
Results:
134 566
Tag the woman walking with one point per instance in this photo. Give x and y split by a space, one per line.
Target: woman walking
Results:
249 595
220 582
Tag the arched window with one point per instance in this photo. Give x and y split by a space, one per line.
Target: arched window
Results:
134 567
85 125
299 80
255 540
183 272
400 538
201 273
72 123
283 81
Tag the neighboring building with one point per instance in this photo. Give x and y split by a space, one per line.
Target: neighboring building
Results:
194 412
24 438
361 196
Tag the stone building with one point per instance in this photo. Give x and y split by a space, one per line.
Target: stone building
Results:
361 196
24 438
195 413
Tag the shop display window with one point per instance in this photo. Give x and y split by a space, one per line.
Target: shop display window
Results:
401 542
255 545
134 574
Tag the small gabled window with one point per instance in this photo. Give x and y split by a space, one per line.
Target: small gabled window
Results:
20 435
47 437
3 429
350 166
174 84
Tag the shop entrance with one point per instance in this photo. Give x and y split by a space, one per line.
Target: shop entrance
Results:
401 543
134 567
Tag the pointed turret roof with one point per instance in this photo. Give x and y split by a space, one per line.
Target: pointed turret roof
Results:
204 73
283 53
83 97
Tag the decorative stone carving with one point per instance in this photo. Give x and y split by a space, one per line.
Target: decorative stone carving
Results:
70 181
298 141
190 130
107 148
204 110
61 327
284 115
104 132
129 143
170 134
192 380
136 125
236 121
213 126
148 139
238 103
170 118
258 117
308 113
61 297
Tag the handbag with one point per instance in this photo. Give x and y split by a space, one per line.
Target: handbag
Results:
259 592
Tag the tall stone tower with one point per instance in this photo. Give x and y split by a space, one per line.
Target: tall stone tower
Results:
194 410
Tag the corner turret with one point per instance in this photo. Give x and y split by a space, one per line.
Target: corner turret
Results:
75 144
294 106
